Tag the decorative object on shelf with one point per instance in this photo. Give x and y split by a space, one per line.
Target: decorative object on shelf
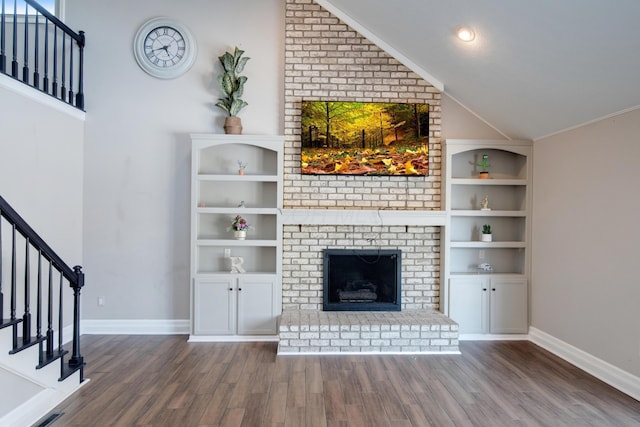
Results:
164 48
484 204
232 85
236 264
241 204
239 226
486 233
241 167
485 266
484 164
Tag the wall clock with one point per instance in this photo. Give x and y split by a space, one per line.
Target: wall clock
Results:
164 48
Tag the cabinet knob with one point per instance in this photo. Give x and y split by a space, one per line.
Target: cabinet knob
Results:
493 289
230 289
484 289
239 289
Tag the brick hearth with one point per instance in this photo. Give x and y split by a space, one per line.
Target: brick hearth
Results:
410 331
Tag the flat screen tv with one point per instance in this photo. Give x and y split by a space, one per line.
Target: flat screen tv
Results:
364 138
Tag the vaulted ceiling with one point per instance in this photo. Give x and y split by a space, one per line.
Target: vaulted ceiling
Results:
535 67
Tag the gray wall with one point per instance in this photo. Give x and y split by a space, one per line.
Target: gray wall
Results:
137 152
41 151
585 288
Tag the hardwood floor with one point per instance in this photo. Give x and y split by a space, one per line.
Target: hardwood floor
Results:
165 381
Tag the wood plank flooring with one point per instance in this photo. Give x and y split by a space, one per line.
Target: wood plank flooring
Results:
165 381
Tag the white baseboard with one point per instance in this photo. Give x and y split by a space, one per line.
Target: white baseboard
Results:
493 337
233 338
135 327
612 375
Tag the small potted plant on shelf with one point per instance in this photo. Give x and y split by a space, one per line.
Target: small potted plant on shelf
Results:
241 167
232 85
486 233
239 226
484 164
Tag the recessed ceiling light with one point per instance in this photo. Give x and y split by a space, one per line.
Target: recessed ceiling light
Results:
465 34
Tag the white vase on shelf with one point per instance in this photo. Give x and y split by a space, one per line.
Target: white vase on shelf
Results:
240 234
485 237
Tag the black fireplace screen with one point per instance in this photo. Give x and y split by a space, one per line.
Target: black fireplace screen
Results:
362 280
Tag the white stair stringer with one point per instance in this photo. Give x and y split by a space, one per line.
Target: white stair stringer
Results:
37 391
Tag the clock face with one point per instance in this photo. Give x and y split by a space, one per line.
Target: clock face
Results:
164 48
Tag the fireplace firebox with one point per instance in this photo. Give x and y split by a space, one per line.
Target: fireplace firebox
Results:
362 280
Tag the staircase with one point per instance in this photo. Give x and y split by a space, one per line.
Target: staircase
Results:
39 317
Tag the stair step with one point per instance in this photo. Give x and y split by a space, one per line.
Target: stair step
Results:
57 354
24 344
8 322
67 371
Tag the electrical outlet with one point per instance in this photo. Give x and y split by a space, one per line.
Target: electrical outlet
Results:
227 252
100 301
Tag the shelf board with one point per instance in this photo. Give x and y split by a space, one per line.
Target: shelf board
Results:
238 211
209 274
488 245
237 178
237 243
459 274
478 212
489 181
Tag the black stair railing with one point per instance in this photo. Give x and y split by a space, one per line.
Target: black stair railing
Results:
22 325
42 36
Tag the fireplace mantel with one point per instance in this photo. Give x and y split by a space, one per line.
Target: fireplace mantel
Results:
362 217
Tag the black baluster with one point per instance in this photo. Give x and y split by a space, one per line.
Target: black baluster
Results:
36 74
71 71
54 90
60 310
45 81
26 318
3 56
80 95
63 89
50 313
39 300
25 64
14 63
39 310
14 286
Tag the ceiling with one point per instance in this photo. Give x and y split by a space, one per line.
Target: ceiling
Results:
534 69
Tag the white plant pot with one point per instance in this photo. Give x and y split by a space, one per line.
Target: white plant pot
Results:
240 234
485 237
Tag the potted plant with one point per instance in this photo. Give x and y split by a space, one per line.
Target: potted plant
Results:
241 167
239 226
486 233
484 164
232 85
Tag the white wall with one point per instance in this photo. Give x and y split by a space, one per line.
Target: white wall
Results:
459 123
585 286
41 155
137 154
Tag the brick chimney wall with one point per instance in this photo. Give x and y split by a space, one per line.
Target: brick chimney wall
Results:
325 59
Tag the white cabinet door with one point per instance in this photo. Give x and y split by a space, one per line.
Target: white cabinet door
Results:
256 305
214 301
468 304
509 306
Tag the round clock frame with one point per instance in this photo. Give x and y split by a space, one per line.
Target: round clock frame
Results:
157 47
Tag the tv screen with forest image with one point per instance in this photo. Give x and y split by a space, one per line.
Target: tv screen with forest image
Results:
364 138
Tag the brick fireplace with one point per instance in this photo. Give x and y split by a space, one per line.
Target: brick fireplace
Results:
325 59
